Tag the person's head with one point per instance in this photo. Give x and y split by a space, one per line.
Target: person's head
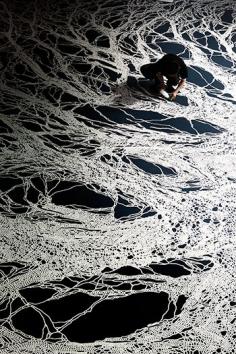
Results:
172 69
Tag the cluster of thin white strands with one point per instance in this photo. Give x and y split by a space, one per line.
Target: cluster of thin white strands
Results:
99 173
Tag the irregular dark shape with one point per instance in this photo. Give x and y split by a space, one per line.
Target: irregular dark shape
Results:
5 309
171 311
87 286
116 115
17 195
178 268
12 269
112 283
16 304
212 42
103 41
44 58
127 287
227 16
120 317
202 265
39 183
136 287
148 212
180 303
172 270
29 321
68 49
4 128
152 168
69 98
175 268
182 246
104 88
125 159
163 27
156 121
128 270
92 34
175 48
175 336
222 98
32 126
32 195
71 193
112 74
182 100
8 182
190 189
67 282
203 127
178 335
83 68
59 139
227 95
19 209
64 308
37 294
107 270
121 211
202 78
92 114
220 60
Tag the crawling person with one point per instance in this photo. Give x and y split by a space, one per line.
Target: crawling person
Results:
173 68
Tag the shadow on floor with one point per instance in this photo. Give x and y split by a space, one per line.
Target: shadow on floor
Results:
107 115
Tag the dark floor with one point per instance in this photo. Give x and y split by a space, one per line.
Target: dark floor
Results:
117 207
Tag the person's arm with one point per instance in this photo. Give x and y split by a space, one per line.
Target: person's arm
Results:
182 82
178 88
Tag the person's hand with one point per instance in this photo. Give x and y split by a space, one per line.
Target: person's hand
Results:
173 96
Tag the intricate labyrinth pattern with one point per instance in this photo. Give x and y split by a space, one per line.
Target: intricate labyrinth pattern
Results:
117 207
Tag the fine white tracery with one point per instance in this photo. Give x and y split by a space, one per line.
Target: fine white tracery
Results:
117 207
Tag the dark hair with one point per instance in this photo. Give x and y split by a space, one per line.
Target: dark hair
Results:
171 68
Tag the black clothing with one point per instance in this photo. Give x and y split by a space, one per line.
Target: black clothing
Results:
150 70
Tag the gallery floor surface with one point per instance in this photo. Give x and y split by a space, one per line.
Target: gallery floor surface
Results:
117 206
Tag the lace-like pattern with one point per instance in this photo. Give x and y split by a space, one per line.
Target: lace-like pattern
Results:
117 207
